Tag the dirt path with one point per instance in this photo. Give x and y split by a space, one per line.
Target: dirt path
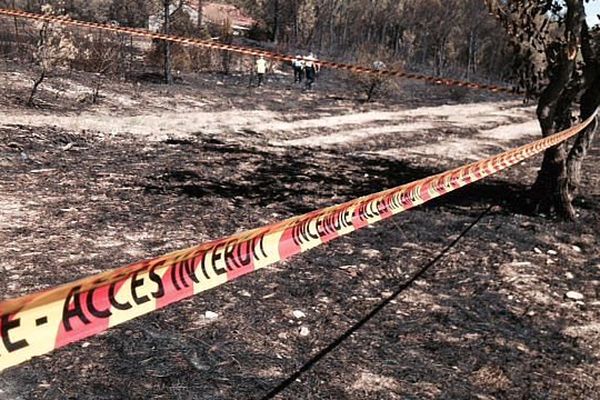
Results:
491 123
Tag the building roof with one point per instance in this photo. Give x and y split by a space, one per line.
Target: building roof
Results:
213 13
217 13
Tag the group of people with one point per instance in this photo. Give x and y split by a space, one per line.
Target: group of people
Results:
304 67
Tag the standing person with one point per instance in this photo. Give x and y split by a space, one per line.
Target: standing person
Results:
311 67
261 69
298 65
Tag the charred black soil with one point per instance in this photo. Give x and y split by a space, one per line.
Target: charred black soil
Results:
489 320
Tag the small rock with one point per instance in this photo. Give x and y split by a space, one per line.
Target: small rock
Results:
371 253
572 295
68 146
536 250
522 348
552 252
549 261
298 314
245 293
520 264
569 275
211 315
304 331
85 344
576 248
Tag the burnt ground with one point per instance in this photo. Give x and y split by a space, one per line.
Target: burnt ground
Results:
490 320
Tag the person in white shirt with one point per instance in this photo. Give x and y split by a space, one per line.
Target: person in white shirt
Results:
298 65
261 69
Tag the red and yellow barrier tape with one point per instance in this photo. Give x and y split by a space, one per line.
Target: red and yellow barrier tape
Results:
210 44
39 323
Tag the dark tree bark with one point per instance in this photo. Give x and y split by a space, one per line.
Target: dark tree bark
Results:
36 84
168 73
276 17
590 101
17 38
550 192
42 41
200 14
528 23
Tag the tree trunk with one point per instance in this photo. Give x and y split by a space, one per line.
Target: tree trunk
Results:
396 40
275 35
470 55
200 14
550 192
130 50
168 74
590 101
576 156
344 41
34 89
295 23
17 39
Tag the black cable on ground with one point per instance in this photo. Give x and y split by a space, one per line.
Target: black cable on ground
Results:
359 324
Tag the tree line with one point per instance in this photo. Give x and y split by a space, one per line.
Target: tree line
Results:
443 37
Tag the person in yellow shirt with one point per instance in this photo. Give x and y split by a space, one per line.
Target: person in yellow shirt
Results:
261 69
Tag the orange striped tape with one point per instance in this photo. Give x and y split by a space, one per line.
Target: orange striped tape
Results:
210 44
39 323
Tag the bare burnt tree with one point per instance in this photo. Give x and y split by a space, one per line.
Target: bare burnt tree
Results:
168 73
226 37
41 49
200 6
276 21
17 39
561 54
